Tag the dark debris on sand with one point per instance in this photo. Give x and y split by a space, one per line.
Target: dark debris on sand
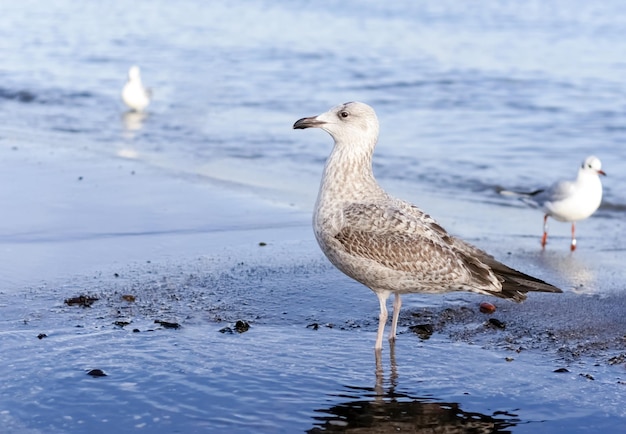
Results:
81 300
573 328
167 324
240 326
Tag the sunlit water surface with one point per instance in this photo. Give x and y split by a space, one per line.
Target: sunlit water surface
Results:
170 206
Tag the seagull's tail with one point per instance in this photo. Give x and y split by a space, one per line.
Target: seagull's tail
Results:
516 287
520 194
516 284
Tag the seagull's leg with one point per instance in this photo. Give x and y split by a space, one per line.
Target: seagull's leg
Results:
382 319
573 246
544 238
397 303
380 378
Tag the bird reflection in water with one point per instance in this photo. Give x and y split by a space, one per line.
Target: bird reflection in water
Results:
133 121
382 409
577 271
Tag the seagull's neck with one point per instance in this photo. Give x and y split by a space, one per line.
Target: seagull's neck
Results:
588 184
348 174
586 177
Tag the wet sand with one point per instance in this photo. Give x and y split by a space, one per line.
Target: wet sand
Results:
202 254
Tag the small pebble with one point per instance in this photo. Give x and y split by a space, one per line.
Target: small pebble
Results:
97 373
129 298
423 331
561 370
167 324
497 323
81 300
262 244
42 335
241 326
486 307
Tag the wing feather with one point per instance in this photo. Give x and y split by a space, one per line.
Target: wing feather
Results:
403 238
407 240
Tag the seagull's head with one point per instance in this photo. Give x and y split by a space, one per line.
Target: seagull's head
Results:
345 123
593 165
134 73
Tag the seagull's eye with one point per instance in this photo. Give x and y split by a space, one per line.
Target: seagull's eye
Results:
344 114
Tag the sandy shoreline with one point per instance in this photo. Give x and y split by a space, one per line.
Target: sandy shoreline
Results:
77 217
203 254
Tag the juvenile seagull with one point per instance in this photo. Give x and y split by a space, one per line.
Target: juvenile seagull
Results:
134 94
386 243
568 201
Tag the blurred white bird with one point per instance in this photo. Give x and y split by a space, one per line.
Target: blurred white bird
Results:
568 201
134 94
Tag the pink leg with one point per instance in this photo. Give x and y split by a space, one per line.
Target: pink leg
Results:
544 238
573 245
382 318
397 303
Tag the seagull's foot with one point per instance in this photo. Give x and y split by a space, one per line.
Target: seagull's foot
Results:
572 247
544 240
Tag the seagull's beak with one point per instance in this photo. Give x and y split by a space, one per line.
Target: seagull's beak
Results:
311 122
600 172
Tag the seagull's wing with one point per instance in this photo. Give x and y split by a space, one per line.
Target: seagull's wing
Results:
403 238
407 240
557 191
554 193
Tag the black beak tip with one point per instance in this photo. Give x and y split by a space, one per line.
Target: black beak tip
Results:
300 124
311 122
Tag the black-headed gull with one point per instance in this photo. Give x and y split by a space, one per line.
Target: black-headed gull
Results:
568 201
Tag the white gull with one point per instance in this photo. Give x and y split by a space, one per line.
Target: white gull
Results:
386 243
134 94
568 201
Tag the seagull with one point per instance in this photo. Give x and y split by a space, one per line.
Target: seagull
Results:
134 94
385 243
568 201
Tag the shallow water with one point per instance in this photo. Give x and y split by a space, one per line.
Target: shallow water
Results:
171 206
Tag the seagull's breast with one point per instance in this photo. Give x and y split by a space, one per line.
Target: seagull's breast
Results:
578 202
135 95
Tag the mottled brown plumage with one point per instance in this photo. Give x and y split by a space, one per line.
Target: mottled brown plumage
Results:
388 244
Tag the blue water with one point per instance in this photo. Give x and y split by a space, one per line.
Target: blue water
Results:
471 96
